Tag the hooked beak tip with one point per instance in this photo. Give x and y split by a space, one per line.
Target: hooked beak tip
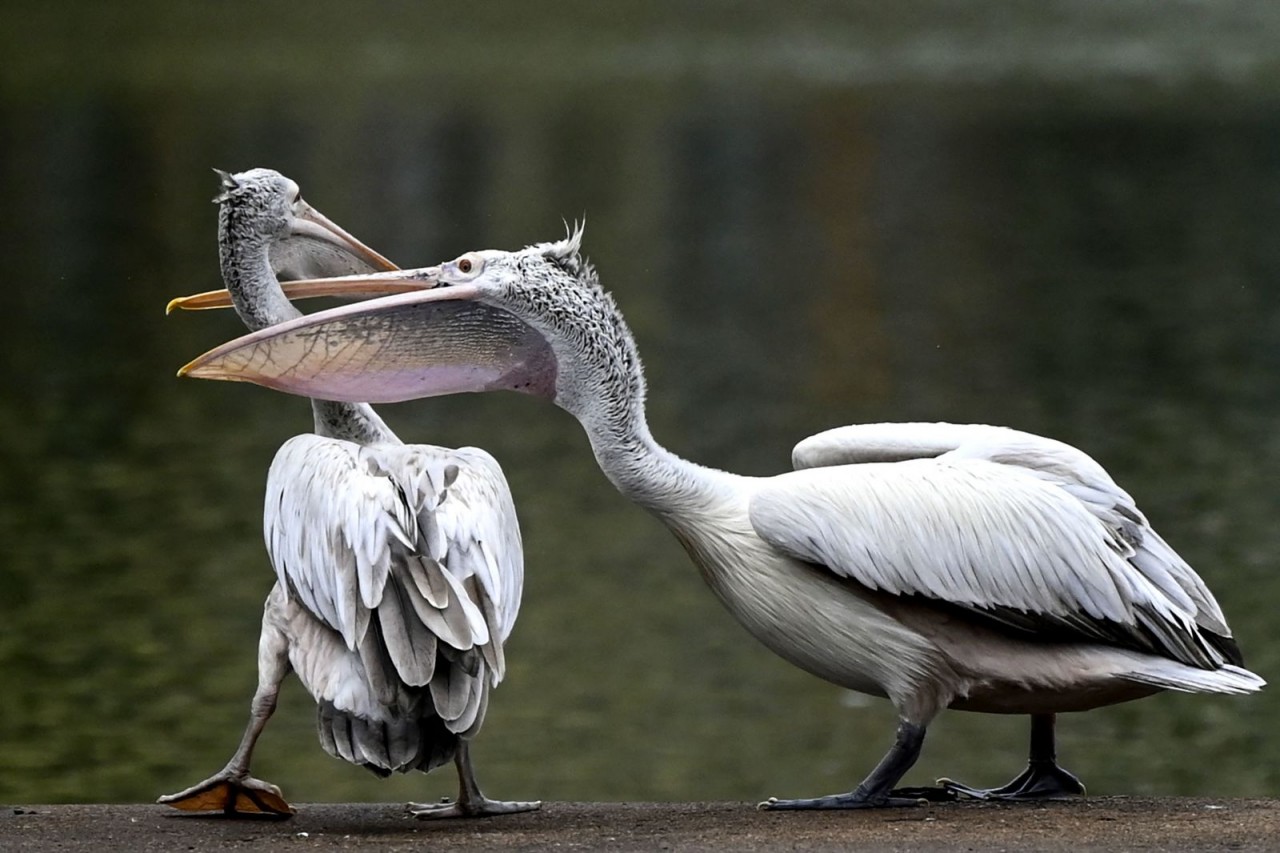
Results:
203 368
195 369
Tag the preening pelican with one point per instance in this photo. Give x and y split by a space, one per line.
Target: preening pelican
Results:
399 567
936 565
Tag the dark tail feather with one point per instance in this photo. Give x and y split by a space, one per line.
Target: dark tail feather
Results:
384 748
1227 646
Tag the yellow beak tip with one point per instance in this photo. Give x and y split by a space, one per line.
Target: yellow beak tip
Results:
173 303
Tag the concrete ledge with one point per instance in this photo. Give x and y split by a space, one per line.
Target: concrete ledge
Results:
1110 823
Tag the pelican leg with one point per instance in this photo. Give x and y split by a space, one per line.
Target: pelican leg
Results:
471 801
1043 778
232 790
876 791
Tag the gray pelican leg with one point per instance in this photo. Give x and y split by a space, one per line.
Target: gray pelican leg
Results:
471 801
876 791
1043 778
232 790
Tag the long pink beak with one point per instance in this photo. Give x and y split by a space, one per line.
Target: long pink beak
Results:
447 340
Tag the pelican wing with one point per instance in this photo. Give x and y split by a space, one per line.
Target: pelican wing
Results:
475 522
1054 462
1016 528
387 546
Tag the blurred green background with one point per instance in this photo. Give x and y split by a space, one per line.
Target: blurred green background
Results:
1059 216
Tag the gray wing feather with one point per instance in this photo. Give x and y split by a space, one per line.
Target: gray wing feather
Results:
454 619
420 541
451 692
409 642
380 672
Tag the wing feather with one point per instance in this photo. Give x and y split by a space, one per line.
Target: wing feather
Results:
1056 463
410 643
331 528
479 517
450 621
1023 530
411 553
450 690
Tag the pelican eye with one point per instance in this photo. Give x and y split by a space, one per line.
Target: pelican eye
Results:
469 265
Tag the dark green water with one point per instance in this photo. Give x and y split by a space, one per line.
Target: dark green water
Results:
1062 220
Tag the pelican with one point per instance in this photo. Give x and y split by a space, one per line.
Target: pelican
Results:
399 567
935 565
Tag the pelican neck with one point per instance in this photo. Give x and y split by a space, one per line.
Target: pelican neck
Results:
261 303
255 291
649 474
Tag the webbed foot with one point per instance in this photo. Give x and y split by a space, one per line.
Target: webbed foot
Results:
233 794
475 807
1040 781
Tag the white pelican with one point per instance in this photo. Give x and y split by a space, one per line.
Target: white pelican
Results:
399 567
937 565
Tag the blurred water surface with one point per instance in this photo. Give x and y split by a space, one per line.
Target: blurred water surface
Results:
1059 217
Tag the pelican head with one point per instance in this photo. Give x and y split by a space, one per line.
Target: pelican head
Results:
534 321
264 206
267 232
